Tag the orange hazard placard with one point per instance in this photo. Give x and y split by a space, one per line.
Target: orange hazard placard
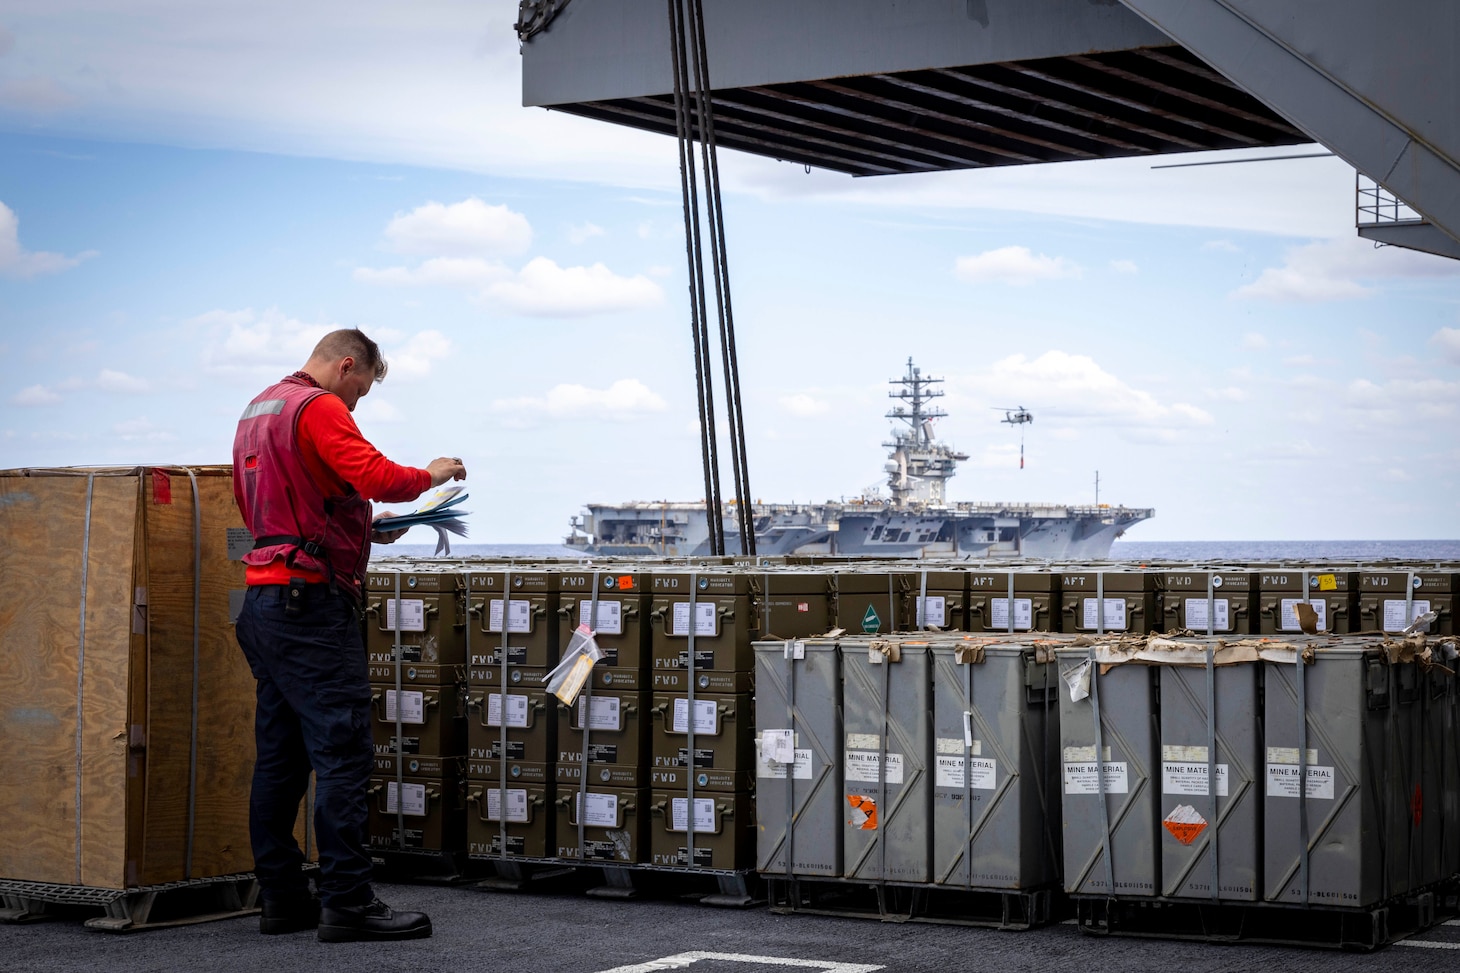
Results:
864 812
1185 823
626 582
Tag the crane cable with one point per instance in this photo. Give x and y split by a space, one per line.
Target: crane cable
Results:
690 56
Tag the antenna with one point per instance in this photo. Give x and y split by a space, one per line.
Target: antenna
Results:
1097 488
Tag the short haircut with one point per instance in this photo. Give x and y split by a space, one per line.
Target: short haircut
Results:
352 343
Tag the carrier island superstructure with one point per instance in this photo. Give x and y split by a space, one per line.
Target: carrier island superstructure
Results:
914 518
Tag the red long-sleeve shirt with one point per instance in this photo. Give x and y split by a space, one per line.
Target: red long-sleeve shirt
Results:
338 457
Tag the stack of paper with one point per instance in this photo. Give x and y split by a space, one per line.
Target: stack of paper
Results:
440 512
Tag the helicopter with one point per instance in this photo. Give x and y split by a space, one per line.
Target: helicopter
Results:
1020 417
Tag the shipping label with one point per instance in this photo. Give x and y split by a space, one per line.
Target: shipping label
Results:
610 617
1084 778
405 798
410 705
932 611
704 814
1394 620
1114 614
602 810
864 766
516 805
1023 613
602 715
519 616
516 710
1289 622
1196 614
1282 781
705 714
776 770
1188 777
706 619
978 773
412 613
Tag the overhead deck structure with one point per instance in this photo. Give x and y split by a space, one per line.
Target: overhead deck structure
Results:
877 87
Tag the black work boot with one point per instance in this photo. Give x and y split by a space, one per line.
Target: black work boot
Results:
288 912
374 921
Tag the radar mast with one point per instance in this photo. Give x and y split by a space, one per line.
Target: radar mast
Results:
918 466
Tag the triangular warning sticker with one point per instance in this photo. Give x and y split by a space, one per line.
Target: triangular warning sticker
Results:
1185 824
871 622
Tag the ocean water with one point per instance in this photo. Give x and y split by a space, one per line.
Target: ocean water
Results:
1121 550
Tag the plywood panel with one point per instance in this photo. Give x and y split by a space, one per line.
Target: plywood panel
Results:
43 521
225 688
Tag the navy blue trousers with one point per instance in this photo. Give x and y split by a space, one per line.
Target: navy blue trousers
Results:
313 713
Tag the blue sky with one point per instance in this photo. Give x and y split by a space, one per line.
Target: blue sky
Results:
191 196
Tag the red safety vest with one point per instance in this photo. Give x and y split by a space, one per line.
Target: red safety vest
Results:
282 505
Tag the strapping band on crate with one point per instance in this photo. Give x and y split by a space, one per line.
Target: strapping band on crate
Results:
588 716
1301 673
193 733
502 710
922 599
788 654
81 662
399 748
1212 789
1100 763
1009 608
689 768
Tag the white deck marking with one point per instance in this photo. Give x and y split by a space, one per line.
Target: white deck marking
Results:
1427 945
1451 922
681 960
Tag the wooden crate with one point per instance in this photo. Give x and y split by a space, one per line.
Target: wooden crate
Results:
106 783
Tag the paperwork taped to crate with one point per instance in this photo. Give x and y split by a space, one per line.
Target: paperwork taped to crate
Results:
569 676
1192 651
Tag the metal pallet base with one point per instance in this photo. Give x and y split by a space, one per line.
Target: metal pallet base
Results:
1359 930
424 867
895 902
713 887
133 910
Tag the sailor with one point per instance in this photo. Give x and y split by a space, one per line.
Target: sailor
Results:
304 477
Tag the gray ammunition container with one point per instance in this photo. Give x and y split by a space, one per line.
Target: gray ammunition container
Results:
799 807
995 765
1354 817
886 710
1197 818
1126 740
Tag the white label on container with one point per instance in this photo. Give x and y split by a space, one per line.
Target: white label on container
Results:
704 814
1394 620
864 741
610 617
1023 613
1084 778
1196 614
412 614
1084 755
602 715
705 711
979 773
516 805
1290 614
1114 614
1282 781
516 710
1289 755
776 770
1184 777
777 746
705 618
405 798
602 810
933 611
519 616
411 704
951 745
863 766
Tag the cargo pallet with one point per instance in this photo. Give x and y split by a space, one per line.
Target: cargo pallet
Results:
734 889
1353 929
1012 910
135 909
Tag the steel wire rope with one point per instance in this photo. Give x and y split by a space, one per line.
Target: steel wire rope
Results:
720 264
695 259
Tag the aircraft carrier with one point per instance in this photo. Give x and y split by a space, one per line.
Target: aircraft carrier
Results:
914 518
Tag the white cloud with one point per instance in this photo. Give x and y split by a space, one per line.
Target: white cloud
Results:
1221 246
415 357
583 232
543 289
1331 270
1252 341
1017 266
141 429
660 271
804 406
471 272
1124 267
470 227
380 411
112 381
1402 402
1447 340
1232 393
16 261
626 399
1059 387
35 395
253 345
